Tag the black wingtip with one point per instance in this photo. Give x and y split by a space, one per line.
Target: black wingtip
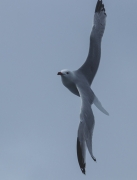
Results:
94 159
80 157
83 171
99 7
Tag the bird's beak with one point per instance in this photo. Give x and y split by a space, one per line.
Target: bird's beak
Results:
60 73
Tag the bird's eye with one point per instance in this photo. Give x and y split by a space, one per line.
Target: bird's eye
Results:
67 72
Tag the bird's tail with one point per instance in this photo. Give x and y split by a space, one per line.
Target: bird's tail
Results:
98 104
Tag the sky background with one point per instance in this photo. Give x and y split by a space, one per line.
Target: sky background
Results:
39 117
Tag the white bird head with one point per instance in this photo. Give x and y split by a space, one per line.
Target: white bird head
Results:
66 76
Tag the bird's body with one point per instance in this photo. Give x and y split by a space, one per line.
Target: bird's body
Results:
79 81
70 82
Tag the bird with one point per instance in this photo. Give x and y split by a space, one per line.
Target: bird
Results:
79 82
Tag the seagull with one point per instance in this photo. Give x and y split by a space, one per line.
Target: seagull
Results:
79 82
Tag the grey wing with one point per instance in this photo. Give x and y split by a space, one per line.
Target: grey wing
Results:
89 68
86 126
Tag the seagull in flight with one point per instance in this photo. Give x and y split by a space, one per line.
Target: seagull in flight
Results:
79 82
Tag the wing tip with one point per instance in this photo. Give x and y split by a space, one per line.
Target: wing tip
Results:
80 157
105 112
94 159
83 171
100 7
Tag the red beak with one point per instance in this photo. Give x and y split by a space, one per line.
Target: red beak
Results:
59 73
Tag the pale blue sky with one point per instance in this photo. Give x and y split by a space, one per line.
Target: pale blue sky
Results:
39 117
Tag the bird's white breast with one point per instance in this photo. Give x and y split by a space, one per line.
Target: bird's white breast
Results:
70 85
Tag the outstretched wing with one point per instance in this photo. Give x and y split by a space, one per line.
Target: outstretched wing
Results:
86 126
89 68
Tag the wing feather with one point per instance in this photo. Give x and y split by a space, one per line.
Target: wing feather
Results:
81 147
90 67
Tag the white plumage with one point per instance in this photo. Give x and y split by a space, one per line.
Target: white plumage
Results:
79 81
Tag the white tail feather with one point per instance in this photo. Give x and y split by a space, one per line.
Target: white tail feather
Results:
98 104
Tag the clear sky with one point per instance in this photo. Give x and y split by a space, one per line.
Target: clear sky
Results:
39 117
